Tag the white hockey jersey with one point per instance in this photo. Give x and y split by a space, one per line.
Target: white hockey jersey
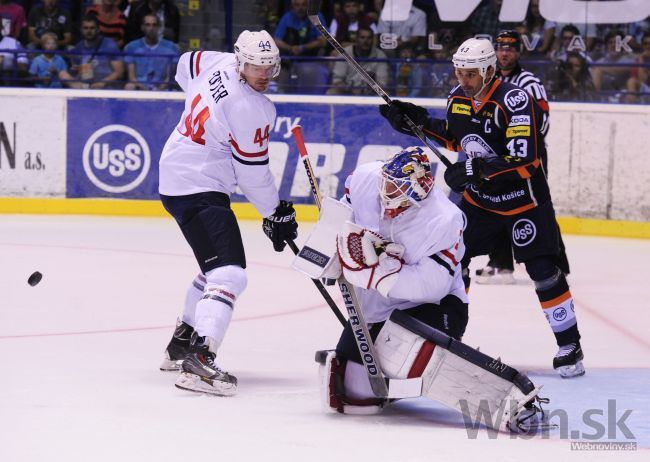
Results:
222 139
431 235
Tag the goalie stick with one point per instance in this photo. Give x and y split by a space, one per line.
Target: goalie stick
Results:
313 8
357 321
322 290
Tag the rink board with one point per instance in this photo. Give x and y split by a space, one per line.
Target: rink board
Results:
69 144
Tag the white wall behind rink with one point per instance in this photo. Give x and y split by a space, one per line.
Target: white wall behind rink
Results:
599 164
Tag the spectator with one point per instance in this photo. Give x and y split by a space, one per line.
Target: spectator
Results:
485 20
297 36
587 35
612 78
572 80
540 31
413 29
345 25
97 61
167 13
345 80
12 19
47 68
150 72
409 75
112 22
569 41
639 82
13 64
49 17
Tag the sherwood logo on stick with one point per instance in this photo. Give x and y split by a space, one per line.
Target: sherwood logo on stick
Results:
116 158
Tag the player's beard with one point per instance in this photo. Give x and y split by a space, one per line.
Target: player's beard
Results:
262 85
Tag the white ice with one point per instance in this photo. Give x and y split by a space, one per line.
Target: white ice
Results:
81 350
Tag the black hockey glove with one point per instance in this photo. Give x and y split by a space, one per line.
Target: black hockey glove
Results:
281 226
395 112
460 174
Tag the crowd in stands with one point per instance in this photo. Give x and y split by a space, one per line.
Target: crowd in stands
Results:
133 44
130 44
411 57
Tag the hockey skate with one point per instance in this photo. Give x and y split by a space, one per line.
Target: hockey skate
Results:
568 361
491 275
178 347
200 374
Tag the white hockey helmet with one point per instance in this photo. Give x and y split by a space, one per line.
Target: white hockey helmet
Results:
257 48
475 54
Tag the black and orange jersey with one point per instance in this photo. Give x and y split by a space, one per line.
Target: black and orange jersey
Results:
505 131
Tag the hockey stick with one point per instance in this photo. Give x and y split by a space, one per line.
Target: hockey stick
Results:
322 290
357 321
313 8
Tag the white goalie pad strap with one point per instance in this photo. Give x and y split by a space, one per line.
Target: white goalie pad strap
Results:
335 379
474 392
318 257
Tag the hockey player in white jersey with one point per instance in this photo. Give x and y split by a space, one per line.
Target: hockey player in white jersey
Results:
220 143
399 241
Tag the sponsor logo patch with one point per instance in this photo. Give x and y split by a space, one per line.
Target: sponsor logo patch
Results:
464 109
116 158
517 131
516 99
475 146
523 232
519 120
559 314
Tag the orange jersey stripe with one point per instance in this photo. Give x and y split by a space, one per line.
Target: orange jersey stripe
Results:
557 300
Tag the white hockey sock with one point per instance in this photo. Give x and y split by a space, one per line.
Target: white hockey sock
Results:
214 310
212 319
192 296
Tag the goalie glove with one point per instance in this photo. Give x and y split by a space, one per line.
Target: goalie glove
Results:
368 260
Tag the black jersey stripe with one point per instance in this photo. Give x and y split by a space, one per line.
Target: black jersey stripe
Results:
442 263
192 64
249 162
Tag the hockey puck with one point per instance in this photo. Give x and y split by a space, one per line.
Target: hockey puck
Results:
35 278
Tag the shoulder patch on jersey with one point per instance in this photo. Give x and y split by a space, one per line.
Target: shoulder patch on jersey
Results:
519 120
516 99
464 109
512 132
475 146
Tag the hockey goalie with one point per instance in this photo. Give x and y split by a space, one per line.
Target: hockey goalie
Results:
397 240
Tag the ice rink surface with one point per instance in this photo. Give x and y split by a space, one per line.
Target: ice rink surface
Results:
81 351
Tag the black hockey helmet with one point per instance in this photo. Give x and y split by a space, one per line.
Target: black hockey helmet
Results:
508 38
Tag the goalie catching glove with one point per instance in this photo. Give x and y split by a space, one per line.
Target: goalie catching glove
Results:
368 260
281 226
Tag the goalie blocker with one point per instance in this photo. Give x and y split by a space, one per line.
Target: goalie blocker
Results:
422 361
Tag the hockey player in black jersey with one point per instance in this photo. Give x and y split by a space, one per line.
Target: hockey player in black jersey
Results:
499 269
503 184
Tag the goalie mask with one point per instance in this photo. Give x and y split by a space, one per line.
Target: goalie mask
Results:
406 179
257 48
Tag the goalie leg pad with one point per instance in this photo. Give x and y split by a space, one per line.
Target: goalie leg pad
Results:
345 387
452 374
